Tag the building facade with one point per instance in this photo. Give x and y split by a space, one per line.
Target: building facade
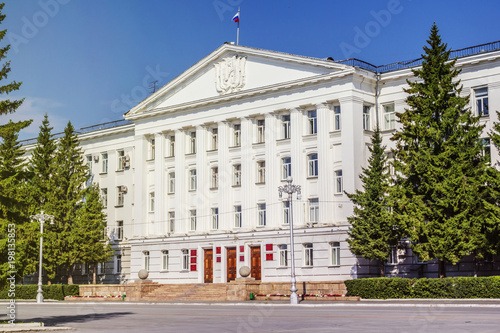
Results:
190 182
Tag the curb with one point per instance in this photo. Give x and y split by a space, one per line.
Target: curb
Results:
31 327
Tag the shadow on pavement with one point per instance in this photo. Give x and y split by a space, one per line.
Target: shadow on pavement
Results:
58 320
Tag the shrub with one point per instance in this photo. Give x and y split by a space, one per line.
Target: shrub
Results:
54 291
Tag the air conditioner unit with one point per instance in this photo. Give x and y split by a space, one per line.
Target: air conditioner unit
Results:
96 158
123 188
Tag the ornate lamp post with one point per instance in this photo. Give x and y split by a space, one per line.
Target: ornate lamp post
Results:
290 190
42 217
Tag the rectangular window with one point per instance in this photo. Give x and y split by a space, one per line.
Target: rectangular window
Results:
283 255
119 230
286 168
118 264
285 126
308 255
151 202
120 154
215 218
366 118
261 172
312 122
104 197
260 131
104 163
100 268
389 117
314 210
185 260
192 218
312 165
393 256
482 102
487 150
192 142
215 178
171 145
164 260
286 212
89 164
262 214
237 216
171 222
337 120
237 135
152 151
192 180
213 141
84 269
145 260
171 182
339 182
120 196
335 254
237 175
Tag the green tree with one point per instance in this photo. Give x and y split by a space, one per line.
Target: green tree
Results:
439 162
91 239
372 233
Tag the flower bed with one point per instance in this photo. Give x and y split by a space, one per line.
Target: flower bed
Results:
108 298
308 297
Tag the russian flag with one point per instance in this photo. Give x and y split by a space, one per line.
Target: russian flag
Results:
236 18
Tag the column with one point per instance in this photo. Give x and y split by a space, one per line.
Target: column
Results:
224 192
159 179
273 209
202 191
140 186
181 210
325 161
298 161
248 170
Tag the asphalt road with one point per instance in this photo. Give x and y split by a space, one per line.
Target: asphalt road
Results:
243 318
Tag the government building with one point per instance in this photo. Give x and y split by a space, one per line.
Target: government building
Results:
190 176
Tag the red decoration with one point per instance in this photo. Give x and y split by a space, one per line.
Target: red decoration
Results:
193 260
193 253
269 247
218 259
193 268
242 258
217 250
269 256
242 248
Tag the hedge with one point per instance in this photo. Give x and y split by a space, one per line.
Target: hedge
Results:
453 287
54 291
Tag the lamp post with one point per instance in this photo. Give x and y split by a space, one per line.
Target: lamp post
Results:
42 217
290 190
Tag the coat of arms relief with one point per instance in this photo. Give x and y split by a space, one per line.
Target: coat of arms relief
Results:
230 74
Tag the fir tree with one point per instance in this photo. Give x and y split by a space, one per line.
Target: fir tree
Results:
441 170
372 232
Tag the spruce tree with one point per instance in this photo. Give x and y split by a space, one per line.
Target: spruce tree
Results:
439 162
372 232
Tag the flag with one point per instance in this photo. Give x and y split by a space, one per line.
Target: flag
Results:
236 18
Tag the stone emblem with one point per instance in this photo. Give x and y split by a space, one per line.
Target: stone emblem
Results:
230 74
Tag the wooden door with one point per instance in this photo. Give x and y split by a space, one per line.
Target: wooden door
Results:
231 264
209 266
255 262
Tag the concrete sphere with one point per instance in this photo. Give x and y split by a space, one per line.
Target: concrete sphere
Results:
143 274
245 271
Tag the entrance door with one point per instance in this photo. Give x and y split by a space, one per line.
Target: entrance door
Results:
209 266
255 263
231 264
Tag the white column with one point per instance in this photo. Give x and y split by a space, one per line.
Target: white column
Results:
181 209
159 179
273 209
325 161
248 170
223 193
202 191
298 164
140 186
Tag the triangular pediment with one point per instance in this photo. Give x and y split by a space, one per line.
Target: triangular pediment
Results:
233 71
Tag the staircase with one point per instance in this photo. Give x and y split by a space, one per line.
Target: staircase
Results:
187 292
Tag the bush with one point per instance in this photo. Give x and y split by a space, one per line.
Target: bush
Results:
459 287
54 291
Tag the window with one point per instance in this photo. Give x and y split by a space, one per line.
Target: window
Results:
393 256
286 168
366 117
237 135
312 122
261 172
308 254
100 268
121 159
237 216
192 218
89 164
261 127
104 163
213 141
104 197
283 255
118 264
185 260
120 198
312 165
171 222
84 269
145 260
286 212
337 124
335 254
237 175
285 126
192 142
171 182
192 179
119 230
171 145
151 202
314 210
215 178
482 101
164 260
389 117
152 148
486 149
339 183
262 214
215 218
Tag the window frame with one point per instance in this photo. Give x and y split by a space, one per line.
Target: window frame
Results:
193 180
308 255
185 260
481 101
283 255
151 205
339 182
285 126
389 115
171 182
171 221
120 197
261 210
337 118
237 135
334 254
237 216
261 131
215 218
286 168
146 260
119 230
165 260
237 174
312 122
366 117
314 210
214 178
104 197
261 172
312 165
192 220
104 163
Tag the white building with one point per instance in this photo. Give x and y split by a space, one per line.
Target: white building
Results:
191 182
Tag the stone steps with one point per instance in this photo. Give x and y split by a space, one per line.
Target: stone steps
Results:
188 292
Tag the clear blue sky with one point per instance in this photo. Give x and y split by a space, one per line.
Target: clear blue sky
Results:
89 61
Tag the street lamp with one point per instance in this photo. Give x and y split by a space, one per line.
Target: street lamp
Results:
41 218
290 190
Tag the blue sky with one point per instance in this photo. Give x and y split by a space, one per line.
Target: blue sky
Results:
89 61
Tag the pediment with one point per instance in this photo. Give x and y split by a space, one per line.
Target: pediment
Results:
232 71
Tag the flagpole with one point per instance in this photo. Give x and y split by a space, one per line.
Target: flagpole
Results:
238 30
